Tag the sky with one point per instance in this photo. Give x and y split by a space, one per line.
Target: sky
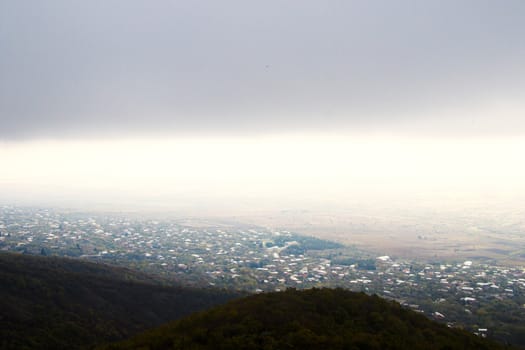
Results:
241 101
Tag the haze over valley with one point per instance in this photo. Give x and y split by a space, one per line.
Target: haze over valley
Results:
243 148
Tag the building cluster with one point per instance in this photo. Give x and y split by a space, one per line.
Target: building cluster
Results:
254 259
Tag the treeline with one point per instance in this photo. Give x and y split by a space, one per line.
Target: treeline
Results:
60 303
304 243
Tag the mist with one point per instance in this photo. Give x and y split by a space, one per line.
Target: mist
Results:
230 175
241 106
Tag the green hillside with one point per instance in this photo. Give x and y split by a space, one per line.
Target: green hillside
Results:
309 319
59 303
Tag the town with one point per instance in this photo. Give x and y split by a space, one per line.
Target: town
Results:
487 299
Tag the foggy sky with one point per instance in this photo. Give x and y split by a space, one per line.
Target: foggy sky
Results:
91 68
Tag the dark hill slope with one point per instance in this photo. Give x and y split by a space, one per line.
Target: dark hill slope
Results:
59 303
310 319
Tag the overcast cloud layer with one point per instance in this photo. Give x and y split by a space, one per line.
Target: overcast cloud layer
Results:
96 68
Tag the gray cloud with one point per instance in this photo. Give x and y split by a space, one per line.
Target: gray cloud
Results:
88 68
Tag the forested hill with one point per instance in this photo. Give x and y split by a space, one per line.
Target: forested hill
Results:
59 303
309 319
